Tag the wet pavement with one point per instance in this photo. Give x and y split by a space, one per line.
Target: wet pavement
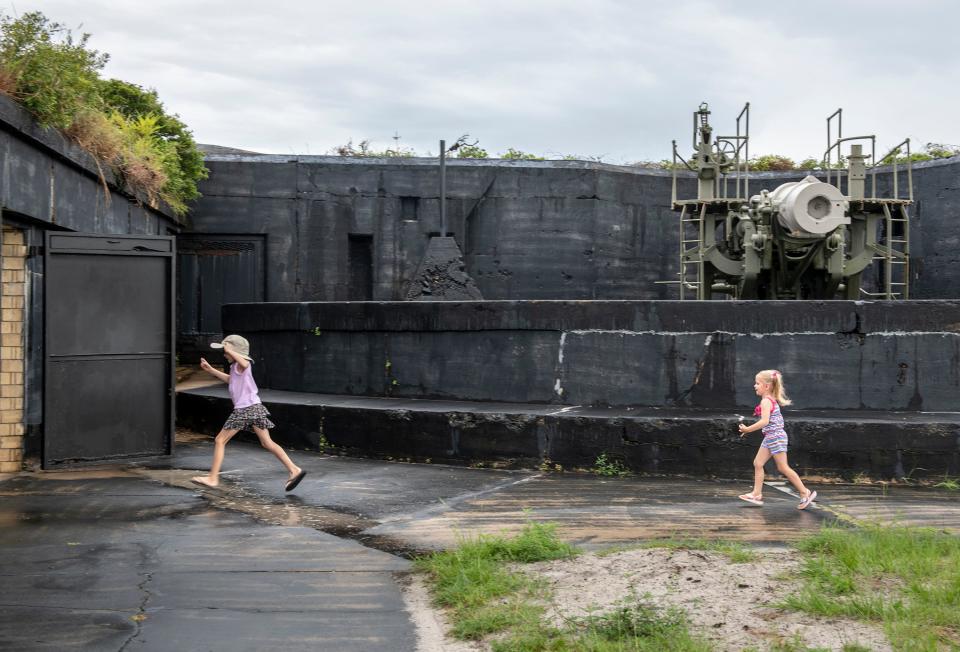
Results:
138 558
127 563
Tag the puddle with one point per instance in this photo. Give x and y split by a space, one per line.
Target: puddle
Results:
289 511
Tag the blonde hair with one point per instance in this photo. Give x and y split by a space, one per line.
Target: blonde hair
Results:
777 390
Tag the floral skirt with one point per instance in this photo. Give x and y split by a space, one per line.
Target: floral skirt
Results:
246 418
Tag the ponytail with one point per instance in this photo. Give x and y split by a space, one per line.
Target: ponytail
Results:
777 388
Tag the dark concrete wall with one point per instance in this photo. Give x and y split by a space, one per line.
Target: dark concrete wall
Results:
528 229
831 443
833 354
49 183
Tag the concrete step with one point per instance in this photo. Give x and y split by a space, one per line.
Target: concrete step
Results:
835 443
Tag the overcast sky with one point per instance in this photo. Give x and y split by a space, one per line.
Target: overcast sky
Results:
610 78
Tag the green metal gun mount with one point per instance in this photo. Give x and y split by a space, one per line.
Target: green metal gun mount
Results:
813 238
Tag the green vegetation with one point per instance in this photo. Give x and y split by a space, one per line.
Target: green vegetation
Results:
364 149
609 467
518 155
57 78
485 598
772 162
930 152
906 578
950 484
472 151
473 582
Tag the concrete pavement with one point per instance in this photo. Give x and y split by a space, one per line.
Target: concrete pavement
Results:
137 558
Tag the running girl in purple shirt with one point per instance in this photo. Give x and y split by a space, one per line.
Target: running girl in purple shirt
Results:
769 387
248 412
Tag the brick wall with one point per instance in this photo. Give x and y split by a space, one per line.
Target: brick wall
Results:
12 301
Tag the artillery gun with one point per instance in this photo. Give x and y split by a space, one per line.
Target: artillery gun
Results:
806 239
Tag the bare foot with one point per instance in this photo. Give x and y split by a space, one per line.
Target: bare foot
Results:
205 481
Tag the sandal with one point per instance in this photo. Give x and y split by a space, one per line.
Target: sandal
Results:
753 500
294 481
807 500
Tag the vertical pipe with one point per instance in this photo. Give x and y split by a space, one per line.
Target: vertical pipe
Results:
746 165
443 188
909 171
673 184
896 191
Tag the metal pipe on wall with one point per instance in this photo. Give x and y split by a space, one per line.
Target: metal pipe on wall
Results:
443 188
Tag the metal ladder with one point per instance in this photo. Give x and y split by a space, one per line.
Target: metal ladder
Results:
896 274
691 255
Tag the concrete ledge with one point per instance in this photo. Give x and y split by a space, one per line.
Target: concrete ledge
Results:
698 442
848 355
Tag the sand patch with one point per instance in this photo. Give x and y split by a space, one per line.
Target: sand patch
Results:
730 604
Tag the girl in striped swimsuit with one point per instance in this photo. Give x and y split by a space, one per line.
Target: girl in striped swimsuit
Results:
769 387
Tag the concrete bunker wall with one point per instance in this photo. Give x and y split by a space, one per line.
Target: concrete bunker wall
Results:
834 354
654 384
528 229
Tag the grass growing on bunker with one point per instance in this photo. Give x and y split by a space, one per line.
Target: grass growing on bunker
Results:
486 599
906 578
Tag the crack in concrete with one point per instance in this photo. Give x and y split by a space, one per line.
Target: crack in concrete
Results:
141 614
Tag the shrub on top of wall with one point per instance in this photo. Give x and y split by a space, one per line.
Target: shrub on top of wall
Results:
57 78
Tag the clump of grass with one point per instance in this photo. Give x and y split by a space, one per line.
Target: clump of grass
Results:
638 626
950 484
906 578
474 582
609 466
634 625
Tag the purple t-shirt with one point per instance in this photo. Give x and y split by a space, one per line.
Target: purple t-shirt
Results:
243 389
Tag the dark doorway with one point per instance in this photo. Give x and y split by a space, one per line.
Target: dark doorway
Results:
361 267
409 207
108 372
214 269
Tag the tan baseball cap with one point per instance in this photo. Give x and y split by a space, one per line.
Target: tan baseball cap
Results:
238 344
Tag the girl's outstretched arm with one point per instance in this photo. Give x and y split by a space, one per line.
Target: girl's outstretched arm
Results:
766 407
206 366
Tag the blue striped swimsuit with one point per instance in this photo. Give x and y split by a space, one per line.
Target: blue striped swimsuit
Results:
774 436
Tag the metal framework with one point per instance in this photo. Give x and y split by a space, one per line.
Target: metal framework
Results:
734 246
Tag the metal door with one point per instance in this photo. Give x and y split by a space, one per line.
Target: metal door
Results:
109 356
214 269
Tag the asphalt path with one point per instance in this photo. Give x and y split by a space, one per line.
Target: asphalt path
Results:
136 557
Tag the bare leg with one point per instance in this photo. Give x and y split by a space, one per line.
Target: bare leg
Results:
763 455
274 448
212 479
790 474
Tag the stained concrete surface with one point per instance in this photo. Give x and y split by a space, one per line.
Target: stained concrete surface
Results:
134 557
126 563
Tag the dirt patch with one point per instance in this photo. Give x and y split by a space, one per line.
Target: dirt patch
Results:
731 604
431 623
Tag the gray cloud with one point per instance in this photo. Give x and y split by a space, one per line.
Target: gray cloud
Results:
611 78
